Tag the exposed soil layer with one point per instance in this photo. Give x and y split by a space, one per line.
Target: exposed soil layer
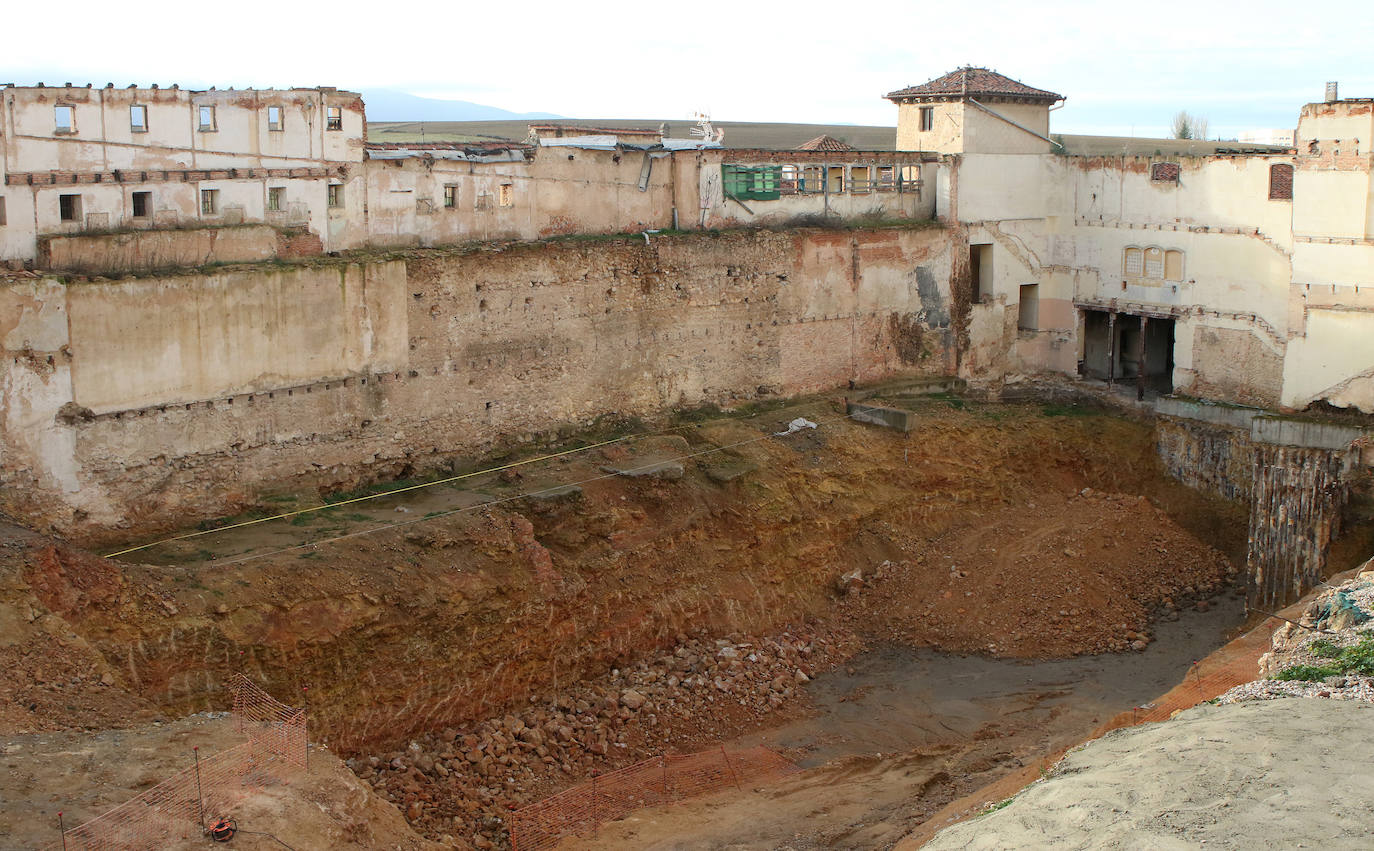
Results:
899 733
975 530
84 774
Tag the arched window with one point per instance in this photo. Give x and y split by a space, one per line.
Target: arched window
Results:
1173 265
1133 263
1280 182
1154 263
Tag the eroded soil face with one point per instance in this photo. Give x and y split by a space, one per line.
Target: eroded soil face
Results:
974 533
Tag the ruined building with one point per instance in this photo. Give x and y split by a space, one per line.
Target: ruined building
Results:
199 365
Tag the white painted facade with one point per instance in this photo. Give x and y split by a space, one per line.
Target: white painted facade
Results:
1261 264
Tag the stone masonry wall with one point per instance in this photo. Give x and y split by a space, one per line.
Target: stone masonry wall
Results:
488 345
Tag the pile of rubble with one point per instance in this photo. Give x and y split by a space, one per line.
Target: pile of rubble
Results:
457 785
1328 653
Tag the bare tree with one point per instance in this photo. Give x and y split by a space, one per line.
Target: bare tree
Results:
1187 126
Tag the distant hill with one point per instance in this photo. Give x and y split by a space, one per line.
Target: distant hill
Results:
738 134
390 105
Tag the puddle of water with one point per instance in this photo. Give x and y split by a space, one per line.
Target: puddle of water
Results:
899 699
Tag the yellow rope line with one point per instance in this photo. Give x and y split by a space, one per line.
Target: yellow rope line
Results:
519 496
369 496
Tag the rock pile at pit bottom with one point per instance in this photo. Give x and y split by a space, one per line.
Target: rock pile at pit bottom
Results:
459 785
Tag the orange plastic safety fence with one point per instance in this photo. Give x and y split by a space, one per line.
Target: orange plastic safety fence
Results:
661 780
209 787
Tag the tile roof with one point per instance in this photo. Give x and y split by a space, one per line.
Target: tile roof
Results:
974 81
825 142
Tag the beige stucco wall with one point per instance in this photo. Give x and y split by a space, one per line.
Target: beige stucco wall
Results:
206 388
959 127
105 254
161 341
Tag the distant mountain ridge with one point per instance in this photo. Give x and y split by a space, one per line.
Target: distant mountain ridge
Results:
391 105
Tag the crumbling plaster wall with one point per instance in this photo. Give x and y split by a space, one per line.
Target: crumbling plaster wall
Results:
176 398
557 191
1064 223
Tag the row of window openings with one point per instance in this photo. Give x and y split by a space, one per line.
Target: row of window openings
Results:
138 118
1155 263
764 183
69 206
505 198
1280 178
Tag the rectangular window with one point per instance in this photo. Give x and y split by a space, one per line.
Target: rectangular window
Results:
752 183
1281 182
1164 172
143 204
65 117
887 179
274 118
138 119
335 196
911 180
980 272
3 222
276 199
811 179
507 196
450 195
859 179
69 207
1028 312
927 118
789 179
835 180
335 118
207 118
209 202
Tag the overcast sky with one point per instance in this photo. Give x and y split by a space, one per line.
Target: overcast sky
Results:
1125 68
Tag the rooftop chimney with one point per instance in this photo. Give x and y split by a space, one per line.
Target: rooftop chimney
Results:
1331 96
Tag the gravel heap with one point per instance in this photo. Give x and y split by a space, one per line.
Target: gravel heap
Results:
1334 618
456 785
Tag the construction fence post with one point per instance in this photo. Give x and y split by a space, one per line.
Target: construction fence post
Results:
725 756
200 794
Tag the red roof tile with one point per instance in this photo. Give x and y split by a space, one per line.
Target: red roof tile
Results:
825 143
973 81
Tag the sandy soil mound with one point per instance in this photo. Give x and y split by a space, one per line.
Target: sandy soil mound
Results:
1275 774
1054 576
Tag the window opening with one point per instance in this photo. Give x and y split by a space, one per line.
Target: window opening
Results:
334 118
335 195
450 196
980 272
65 116
207 118
69 207
209 202
1281 182
143 204
860 179
276 199
927 118
1028 311
756 183
274 118
1164 172
138 119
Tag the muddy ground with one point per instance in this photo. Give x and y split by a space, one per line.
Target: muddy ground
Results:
1013 531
